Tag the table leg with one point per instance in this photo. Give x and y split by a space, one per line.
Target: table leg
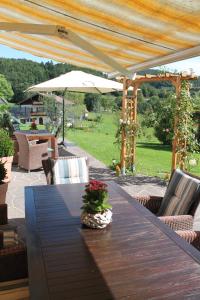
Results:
54 146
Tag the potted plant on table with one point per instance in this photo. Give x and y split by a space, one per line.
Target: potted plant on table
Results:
96 209
3 185
6 152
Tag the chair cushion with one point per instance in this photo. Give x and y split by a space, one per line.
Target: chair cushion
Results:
8 235
72 170
196 219
180 194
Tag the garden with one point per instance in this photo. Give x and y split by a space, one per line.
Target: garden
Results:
153 158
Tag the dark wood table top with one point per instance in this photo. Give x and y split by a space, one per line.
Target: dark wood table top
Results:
136 257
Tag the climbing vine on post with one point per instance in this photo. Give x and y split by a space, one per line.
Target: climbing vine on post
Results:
184 132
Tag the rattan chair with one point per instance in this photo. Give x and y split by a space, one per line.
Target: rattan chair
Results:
183 224
13 256
31 153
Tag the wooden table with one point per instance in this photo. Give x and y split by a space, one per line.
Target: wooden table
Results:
137 257
43 135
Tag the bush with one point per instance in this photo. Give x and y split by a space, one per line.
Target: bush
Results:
6 144
164 130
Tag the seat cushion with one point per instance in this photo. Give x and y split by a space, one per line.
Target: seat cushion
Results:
196 219
72 170
180 194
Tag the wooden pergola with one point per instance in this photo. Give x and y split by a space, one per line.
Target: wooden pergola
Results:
129 116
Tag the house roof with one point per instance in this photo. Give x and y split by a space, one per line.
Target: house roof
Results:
126 36
58 99
37 97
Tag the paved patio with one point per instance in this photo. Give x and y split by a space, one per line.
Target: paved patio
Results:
134 185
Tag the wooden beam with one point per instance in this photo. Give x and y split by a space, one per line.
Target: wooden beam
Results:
164 78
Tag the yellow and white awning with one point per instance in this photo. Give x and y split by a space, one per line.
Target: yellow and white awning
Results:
104 35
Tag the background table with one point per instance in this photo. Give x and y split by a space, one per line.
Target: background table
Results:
137 257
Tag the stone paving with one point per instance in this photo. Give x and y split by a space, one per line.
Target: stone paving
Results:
134 185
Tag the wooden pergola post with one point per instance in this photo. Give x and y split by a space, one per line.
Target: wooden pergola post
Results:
177 84
134 120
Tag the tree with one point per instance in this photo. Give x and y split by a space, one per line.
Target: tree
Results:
6 91
93 102
164 124
75 97
108 102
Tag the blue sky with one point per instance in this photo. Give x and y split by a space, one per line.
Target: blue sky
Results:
192 63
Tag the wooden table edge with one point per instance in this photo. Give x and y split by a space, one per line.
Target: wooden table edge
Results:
34 250
189 249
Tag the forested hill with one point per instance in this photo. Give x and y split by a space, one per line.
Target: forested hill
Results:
22 73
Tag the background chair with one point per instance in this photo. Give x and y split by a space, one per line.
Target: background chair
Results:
31 154
69 169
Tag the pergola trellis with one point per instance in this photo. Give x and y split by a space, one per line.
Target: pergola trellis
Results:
129 116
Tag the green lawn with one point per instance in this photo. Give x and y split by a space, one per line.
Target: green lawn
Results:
27 126
152 158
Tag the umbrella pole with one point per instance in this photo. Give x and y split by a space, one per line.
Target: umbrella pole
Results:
63 120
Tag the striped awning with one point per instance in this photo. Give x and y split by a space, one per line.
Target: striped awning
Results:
104 35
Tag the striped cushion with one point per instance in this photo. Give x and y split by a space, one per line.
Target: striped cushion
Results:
180 195
71 170
196 220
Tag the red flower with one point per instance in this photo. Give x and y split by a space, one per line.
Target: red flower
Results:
95 185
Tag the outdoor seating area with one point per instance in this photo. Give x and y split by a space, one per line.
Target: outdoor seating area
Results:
99 150
61 174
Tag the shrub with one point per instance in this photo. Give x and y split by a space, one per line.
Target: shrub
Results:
6 144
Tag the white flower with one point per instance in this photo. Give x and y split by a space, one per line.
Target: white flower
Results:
192 162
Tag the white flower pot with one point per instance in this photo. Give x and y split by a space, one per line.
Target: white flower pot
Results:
98 220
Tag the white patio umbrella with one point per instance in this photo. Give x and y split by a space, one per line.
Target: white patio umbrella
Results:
77 81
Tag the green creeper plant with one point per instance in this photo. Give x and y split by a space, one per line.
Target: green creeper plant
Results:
187 143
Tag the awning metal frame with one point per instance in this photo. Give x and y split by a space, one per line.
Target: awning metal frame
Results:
64 33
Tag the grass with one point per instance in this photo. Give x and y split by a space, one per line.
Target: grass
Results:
152 158
27 127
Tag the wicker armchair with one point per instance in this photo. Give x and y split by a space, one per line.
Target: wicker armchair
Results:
182 224
31 154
